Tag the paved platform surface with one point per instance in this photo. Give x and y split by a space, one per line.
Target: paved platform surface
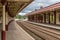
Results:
15 32
46 25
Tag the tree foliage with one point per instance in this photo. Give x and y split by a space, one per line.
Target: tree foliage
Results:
20 17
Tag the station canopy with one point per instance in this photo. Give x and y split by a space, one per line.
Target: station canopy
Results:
13 7
53 7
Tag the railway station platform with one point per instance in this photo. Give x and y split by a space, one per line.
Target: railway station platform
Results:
57 27
15 32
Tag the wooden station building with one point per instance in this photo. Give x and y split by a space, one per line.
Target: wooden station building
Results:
49 15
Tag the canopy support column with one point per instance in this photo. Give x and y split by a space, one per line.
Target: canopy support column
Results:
3 36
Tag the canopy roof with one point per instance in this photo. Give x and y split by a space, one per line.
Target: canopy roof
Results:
14 6
46 9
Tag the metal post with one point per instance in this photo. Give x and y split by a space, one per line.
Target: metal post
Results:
3 36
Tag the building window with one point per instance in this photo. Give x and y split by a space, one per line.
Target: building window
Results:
52 18
47 18
59 17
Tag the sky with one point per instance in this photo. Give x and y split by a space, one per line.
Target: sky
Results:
36 4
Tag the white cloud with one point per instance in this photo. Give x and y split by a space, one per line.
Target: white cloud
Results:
22 13
29 11
54 1
40 4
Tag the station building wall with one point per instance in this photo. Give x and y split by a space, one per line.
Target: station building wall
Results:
58 18
48 17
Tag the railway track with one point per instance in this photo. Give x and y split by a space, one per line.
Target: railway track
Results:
45 33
